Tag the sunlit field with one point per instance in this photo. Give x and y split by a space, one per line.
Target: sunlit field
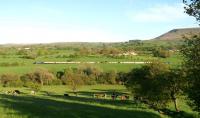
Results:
50 102
99 59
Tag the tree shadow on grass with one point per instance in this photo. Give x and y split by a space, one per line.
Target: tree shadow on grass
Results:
110 91
87 97
117 103
174 114
37 107
107 92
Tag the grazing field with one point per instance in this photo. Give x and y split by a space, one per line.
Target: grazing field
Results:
97 59
27 65
50 103
98 81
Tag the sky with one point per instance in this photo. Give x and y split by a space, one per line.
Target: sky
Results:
46 21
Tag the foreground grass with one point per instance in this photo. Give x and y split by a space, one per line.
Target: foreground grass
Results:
55 105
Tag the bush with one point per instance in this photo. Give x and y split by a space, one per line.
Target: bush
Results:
56 82
17 83
11 80
33 86
39 76
161 53
89 80
30 56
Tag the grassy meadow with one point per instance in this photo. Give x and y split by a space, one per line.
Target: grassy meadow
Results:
27 64
50 102
55 105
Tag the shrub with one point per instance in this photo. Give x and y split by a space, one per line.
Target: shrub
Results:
33 86
39 76
11 80
161 53
56 82
16 83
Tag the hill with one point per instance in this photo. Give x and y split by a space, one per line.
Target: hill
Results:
177 34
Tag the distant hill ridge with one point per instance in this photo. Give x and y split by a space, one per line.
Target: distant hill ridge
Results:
177 34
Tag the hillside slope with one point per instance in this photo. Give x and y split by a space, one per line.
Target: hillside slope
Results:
177 34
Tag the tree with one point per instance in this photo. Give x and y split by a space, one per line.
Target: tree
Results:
121 78
108 77
90 74
161 53
73 79
192 8
74 82
157 84
11 80
149 84
191 53
176 83
84 51
40 76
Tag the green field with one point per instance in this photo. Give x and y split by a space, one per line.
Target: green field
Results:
55 105
49 102
27 64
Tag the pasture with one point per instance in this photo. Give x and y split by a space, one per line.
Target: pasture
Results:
26 65
49 102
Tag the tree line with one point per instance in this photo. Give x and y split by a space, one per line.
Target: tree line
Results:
82 75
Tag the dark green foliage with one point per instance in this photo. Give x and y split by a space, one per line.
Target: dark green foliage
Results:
121 78
192 8
148 83
176 83
91 75
59 74
191 54
156 84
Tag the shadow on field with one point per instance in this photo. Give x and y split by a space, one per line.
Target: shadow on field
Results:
87 97
174 114
37 107
108 92
125 103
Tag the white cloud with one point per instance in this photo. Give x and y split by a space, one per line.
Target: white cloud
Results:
45 34
160 13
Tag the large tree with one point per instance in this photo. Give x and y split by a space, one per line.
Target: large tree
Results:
175 84
157 84
149 84
192 8
191 54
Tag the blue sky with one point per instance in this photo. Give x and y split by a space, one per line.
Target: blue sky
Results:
45 21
